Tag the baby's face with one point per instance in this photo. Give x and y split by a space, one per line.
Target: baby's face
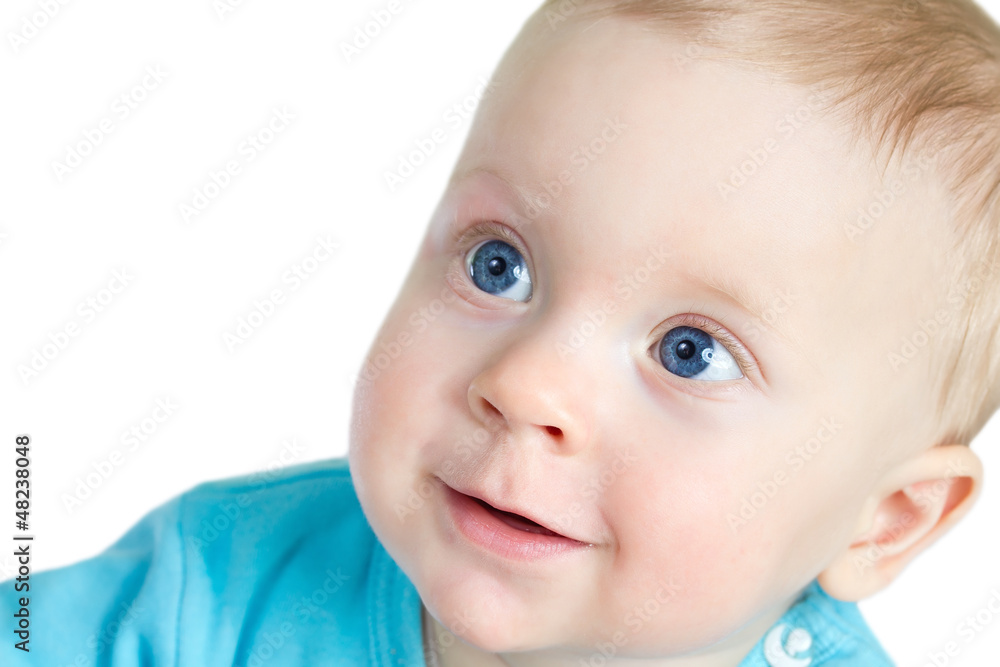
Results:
687 383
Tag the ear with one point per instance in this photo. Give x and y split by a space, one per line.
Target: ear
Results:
912 506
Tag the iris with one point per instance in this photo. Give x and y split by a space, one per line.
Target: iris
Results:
686 351
497 268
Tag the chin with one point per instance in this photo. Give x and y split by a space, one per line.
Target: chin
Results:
471 604
483 624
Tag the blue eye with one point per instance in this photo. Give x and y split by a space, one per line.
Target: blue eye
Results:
497 268
691 353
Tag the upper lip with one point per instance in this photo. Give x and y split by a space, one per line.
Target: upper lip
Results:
512 510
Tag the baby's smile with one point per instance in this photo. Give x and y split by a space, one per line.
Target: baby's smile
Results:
508 534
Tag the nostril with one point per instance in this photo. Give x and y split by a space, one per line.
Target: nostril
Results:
553 430
491 409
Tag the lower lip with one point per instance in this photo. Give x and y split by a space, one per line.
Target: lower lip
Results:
487 530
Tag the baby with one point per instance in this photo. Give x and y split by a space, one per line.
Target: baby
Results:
688 362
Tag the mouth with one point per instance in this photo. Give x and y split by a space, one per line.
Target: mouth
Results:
516 521
508 534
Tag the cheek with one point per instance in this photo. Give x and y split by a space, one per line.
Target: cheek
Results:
682 572
410 382
388 420
682 525
399 370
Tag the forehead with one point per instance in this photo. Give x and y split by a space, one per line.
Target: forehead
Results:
635 139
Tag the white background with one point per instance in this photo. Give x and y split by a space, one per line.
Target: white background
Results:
162 336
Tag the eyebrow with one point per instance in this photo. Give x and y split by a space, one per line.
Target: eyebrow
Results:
753 302
525 199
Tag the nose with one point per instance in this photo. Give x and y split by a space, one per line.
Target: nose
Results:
532 396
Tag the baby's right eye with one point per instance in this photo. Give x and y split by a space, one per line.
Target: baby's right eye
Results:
496 267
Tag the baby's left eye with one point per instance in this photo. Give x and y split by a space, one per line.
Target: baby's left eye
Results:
691 353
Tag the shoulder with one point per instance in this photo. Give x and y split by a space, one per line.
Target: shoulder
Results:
223 573
327 475
285 556
840 634
819 631
253 526
277 500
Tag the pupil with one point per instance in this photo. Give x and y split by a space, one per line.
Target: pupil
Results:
685 349
496 266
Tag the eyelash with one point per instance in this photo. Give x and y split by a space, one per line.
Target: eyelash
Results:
488 229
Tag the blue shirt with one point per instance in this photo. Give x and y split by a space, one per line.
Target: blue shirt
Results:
282 569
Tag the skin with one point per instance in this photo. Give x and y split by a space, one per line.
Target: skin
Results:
650 468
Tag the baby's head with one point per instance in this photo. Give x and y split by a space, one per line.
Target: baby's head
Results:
711 296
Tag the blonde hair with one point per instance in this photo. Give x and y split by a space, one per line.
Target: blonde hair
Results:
912 76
